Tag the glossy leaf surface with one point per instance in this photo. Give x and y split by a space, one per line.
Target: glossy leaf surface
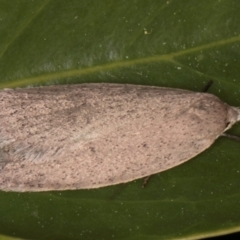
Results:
171 43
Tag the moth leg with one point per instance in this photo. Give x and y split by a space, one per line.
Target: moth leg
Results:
145 181
231 136
208 85
117 191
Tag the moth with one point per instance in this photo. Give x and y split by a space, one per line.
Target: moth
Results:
93 135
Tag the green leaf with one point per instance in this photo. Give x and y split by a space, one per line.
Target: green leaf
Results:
181 44
2 237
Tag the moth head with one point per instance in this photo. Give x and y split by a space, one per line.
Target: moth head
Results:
233 116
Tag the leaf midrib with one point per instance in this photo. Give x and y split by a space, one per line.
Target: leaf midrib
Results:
118 64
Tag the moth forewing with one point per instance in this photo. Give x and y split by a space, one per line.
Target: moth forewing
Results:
95 135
